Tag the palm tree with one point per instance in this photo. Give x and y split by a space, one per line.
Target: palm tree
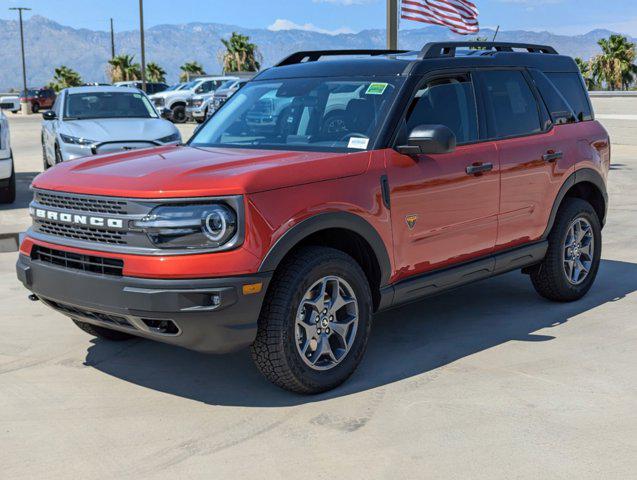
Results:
65 77
123 69
615 65
190 68
154 73
587 73
240 54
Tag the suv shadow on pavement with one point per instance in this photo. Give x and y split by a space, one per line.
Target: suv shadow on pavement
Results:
405 342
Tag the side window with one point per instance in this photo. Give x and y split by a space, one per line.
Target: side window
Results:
559 109
446 101
511 102
572 88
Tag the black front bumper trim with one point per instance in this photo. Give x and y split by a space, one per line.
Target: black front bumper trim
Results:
212 315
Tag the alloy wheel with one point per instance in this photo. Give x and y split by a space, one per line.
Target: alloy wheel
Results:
579 248
326 323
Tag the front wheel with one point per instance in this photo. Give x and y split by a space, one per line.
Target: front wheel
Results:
35 108
315 321
179 114
572 259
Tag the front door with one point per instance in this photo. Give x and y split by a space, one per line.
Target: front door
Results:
444 210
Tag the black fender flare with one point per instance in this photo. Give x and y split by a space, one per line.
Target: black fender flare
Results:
324 221
579 176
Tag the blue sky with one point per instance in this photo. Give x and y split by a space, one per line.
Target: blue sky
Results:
331 16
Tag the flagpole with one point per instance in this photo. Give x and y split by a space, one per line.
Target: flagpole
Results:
392 24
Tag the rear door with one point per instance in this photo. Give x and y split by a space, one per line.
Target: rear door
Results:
442 213
534 157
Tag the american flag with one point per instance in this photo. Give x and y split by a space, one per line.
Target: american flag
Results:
461 16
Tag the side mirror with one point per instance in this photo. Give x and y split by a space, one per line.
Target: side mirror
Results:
49 115
428 139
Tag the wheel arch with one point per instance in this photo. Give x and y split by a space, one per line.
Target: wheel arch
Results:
586 184
344 231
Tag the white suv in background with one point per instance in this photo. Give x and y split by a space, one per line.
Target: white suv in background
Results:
177 100
7 171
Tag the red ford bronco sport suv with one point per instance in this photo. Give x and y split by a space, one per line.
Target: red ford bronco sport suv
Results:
325 191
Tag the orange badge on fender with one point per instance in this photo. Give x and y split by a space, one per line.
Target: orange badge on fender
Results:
411 221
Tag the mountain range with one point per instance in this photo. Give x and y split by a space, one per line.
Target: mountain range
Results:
49 44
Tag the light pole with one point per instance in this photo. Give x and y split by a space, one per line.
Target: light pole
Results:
141 32
392 24
112 41
24 106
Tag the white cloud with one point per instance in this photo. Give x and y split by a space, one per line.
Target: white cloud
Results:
282 24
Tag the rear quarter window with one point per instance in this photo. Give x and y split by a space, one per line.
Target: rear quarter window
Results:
511 104
571 86
558 107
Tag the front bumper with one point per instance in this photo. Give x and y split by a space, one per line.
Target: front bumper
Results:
6 167
207 315
196 112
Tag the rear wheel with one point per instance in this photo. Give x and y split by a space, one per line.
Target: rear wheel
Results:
572 259
7 193
315 321
104 333
179 114
35 108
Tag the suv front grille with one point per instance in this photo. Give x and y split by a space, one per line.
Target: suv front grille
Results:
81 203
80 232
77 261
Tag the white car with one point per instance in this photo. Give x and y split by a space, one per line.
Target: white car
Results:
14 102
93 120
177 100
198 107
7 172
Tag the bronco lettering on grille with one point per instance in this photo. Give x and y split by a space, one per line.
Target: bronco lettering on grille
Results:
76 219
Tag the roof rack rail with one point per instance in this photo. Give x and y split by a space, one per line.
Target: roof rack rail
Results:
448 49
314 55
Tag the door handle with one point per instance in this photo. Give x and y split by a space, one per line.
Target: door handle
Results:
551 156
478 168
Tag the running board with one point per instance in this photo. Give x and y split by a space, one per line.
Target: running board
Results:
433 283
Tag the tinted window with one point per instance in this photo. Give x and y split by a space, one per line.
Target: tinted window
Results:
572 88
316 114
79 106
559 109
450 102
513 108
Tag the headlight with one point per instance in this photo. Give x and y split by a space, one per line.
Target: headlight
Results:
190 226
197 103
76 140
159 101
175 137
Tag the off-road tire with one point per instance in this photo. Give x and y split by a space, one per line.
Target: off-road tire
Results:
549 278
274 350
103 333
7 193
178 114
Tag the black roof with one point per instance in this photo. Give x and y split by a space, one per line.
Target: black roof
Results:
433 56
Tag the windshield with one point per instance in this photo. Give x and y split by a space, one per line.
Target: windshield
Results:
174 87
80 106
227 84
190 85
28 93
322 114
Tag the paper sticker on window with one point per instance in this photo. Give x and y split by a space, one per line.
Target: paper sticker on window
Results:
359 143
376 88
